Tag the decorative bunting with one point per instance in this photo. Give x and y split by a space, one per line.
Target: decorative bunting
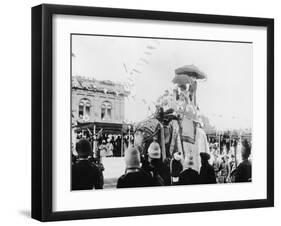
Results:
144 60
135 70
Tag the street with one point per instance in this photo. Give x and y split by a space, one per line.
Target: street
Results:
114 168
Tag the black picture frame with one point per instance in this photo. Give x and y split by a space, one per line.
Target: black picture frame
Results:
42 106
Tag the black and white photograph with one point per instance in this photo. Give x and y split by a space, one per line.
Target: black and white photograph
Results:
148 112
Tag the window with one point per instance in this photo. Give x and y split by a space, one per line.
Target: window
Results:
87 108
84 109
81 110
106 109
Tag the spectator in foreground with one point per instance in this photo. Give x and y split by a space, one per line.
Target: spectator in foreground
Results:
134 175
85 174
159 171
207 172
243 173
176 167
188 176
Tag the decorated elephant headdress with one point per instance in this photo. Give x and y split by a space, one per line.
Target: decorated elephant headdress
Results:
149 128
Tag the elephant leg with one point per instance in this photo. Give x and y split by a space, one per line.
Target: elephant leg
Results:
174 140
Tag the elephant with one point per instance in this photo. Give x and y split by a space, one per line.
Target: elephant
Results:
175 135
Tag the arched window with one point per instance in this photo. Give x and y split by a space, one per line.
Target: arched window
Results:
106 109
84 109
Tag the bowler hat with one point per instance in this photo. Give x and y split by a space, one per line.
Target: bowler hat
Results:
204 156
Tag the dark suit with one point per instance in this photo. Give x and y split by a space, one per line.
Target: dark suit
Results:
86 176
138 178
207 174
188 176
243 172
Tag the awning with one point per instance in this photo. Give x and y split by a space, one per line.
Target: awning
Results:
109 128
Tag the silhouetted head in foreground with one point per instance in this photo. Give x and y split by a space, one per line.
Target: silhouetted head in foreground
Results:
246 149
204 157
83 148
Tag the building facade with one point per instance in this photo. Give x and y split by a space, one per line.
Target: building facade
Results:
97 101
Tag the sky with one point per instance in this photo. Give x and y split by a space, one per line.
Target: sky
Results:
225 97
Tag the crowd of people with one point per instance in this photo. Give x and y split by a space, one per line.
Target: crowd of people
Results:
226 154
151 170
107 145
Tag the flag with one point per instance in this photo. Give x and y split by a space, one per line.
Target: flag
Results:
135 70
144 60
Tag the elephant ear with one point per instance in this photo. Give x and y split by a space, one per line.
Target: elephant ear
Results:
150 127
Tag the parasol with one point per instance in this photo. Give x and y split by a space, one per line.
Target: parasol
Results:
191 71
181 79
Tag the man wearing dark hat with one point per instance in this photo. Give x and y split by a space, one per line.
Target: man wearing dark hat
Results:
207 172
188 176
85 175
243 173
